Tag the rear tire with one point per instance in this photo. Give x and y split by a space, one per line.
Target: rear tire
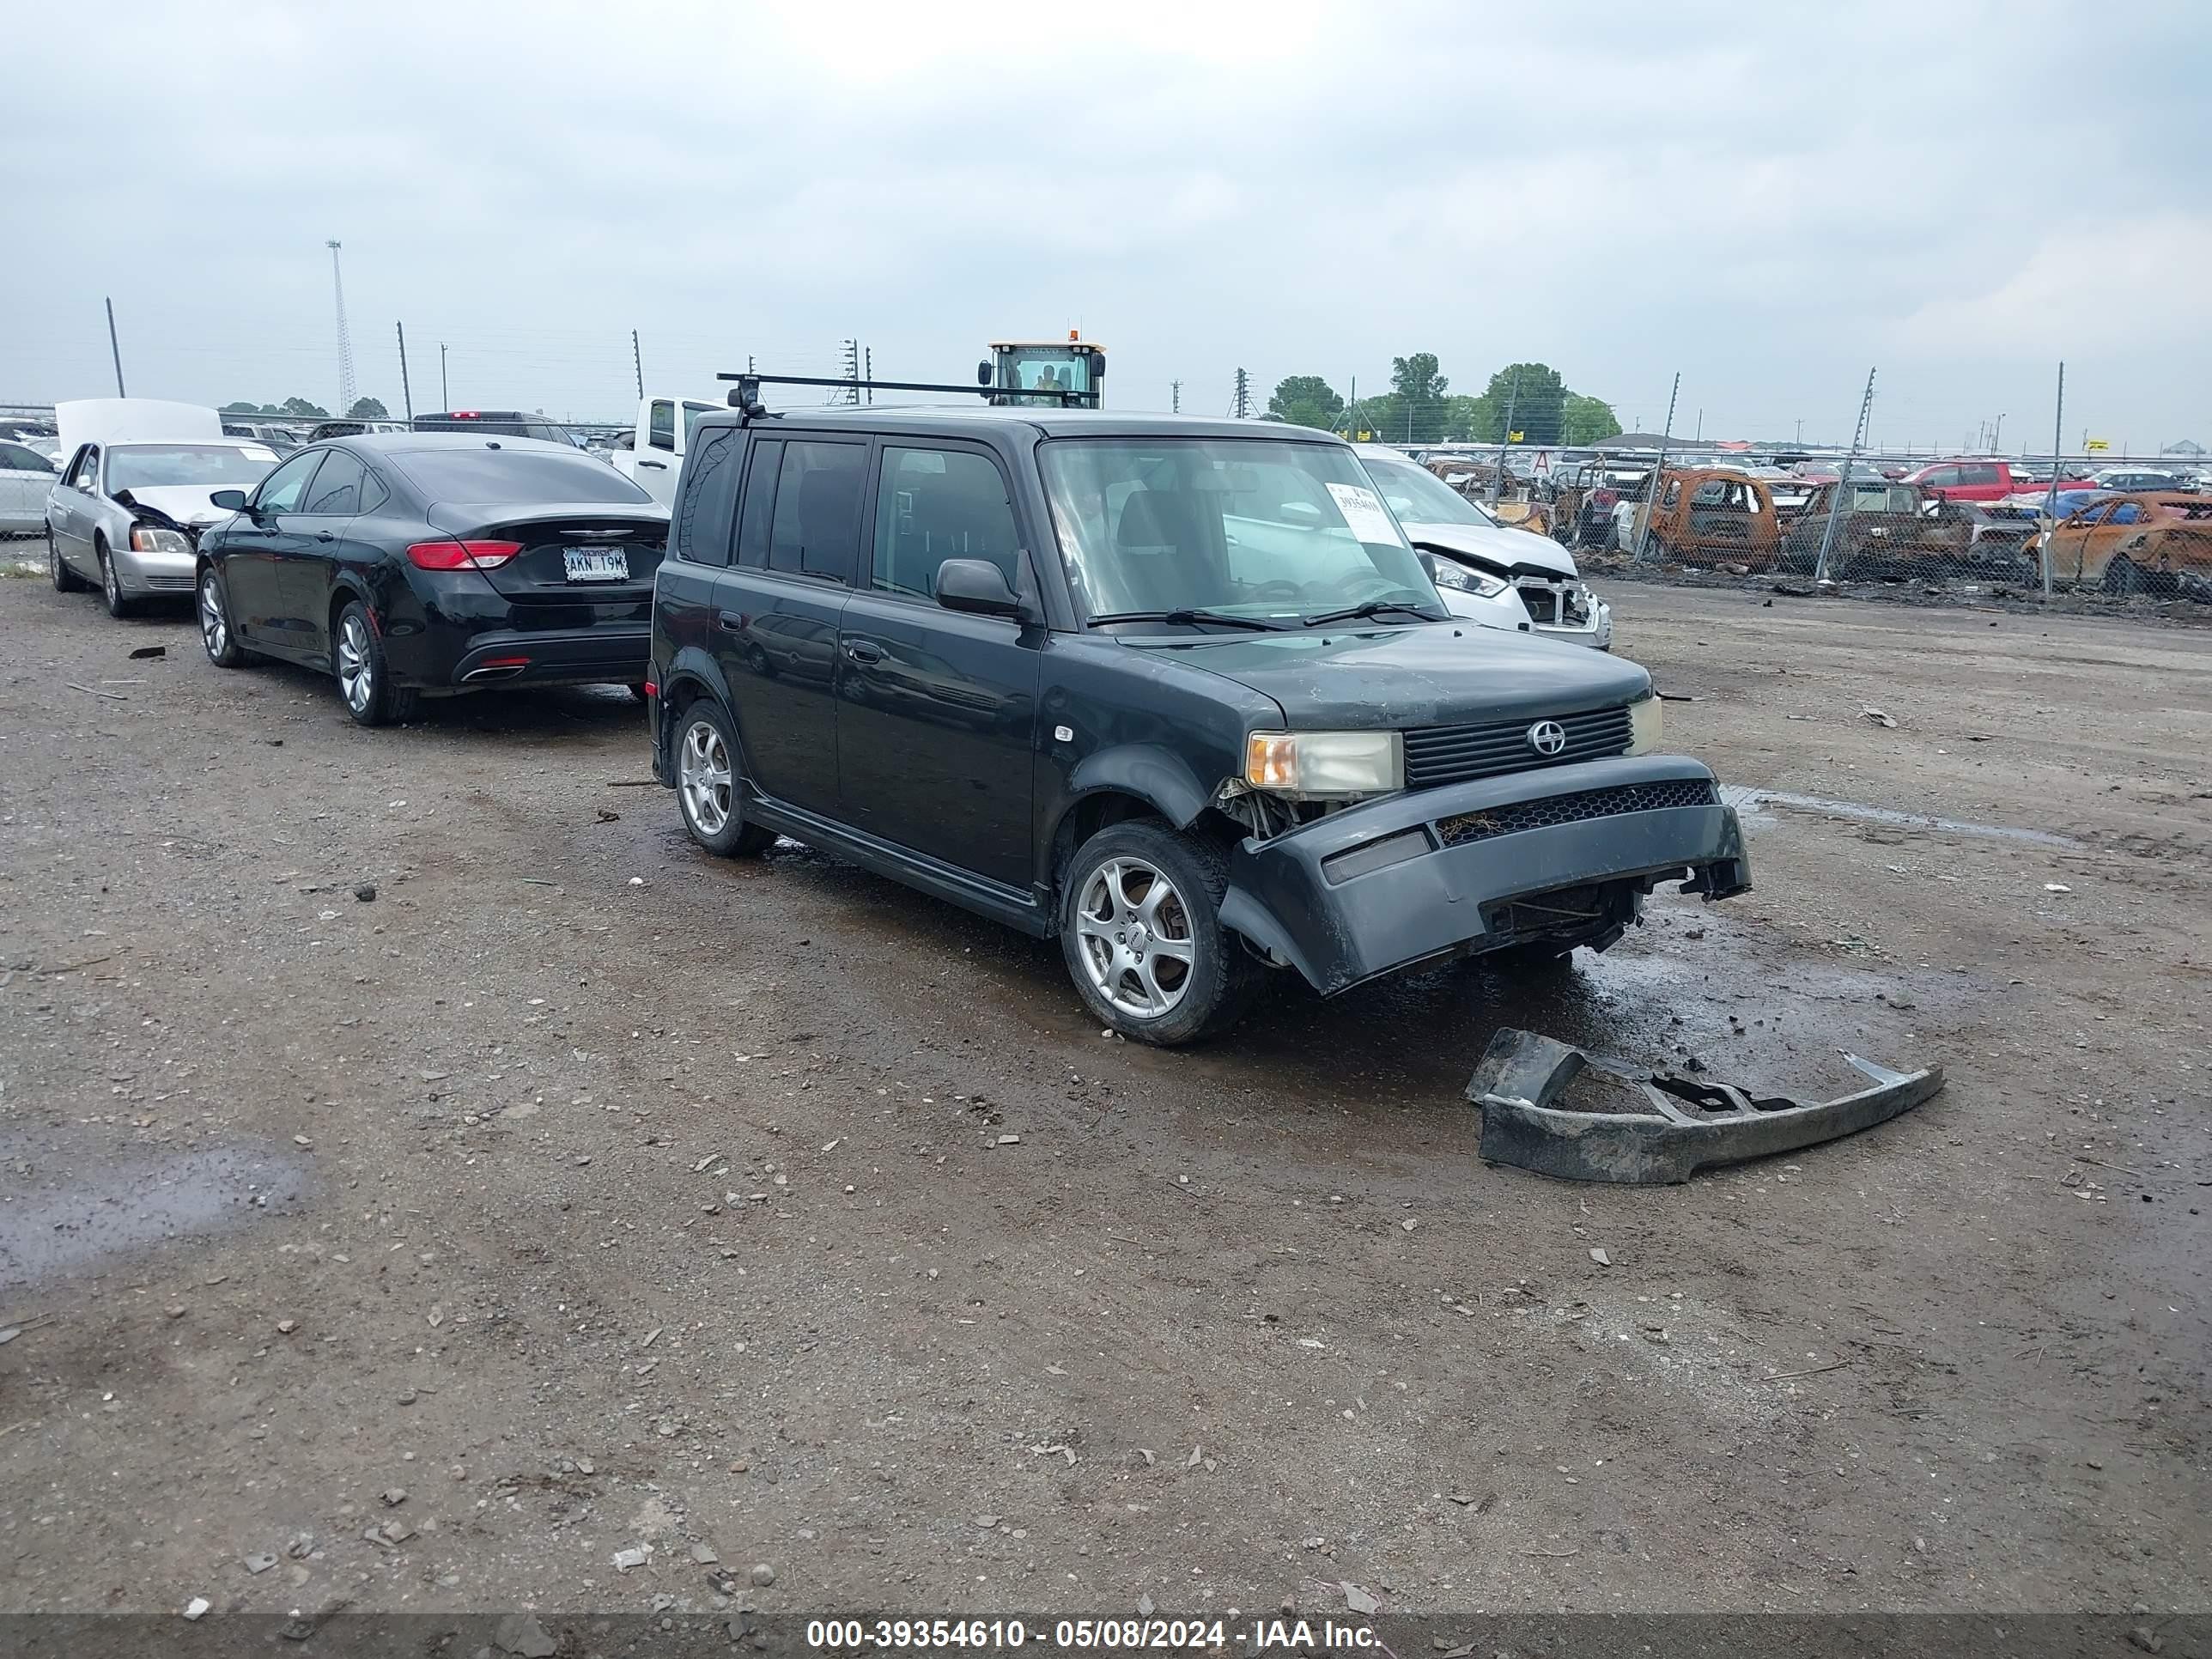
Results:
2123 575
364 675
1140 922
120 604
65 579
709 789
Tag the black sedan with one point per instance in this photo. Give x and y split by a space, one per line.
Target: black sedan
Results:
416 564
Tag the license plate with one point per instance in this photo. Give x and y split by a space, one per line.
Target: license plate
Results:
596 564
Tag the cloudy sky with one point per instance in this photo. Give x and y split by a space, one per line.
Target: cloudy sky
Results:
1770 200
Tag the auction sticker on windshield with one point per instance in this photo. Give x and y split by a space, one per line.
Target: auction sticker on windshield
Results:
1363 511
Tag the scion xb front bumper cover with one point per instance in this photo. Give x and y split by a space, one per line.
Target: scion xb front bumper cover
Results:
1397 881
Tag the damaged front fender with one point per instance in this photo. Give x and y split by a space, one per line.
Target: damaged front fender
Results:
1692 1124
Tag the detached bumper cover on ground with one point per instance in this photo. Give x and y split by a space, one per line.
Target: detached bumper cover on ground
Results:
1692 1125
1417 875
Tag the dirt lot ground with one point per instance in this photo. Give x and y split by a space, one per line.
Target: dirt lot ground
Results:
603 1197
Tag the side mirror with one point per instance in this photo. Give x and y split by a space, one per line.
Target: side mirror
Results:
975 586
230 501
983 373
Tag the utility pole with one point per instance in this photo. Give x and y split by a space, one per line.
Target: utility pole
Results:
1351 413
117 349
637 364
853 370
1801 432
445 394
1175 397
1843 481
1243 403
1997 435
1512 402
1658 470
2051 495
406 394
345 340
868 365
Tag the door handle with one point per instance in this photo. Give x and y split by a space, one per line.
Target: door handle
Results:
734 621
325 536
864 653
657 466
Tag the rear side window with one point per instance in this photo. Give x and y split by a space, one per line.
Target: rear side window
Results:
703 506
498 477
1980 473
937 504
760 502
816 528
336 490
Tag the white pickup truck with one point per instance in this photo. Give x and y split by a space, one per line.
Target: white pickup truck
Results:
655 451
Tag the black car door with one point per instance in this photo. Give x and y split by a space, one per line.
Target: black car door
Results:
304 568
255 544
778 608
937 709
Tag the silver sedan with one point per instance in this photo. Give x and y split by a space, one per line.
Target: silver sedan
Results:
128 516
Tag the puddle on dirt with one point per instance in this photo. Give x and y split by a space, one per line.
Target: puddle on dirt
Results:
1752 804
95 1207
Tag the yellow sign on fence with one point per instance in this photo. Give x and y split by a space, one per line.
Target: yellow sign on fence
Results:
2097 444
1514 437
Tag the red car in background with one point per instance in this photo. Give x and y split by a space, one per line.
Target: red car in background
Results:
1970 480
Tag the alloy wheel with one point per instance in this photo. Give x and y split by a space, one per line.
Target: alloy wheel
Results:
1135 934
215 632
703 775
356 679
109 585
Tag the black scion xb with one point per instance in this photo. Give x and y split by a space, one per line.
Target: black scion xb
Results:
420 564
1177 692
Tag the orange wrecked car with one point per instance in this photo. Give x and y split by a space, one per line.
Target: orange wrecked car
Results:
2154 542
1706 516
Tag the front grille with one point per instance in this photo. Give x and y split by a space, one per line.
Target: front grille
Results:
168 584
1453 754
1574 809
1543 603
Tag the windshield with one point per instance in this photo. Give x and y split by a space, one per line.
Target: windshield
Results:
494 477
196 466
1415 493
1272 531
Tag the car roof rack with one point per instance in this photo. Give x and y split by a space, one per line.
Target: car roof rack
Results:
745 398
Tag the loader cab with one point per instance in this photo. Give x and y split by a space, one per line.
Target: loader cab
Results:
1018 372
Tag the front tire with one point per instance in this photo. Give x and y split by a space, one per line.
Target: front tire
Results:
65 579
111 585
1140 929
363 674
216 634
708 789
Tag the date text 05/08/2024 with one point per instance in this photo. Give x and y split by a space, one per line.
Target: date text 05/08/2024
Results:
1081 1635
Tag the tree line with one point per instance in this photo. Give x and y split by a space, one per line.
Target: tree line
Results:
299 409
1420 407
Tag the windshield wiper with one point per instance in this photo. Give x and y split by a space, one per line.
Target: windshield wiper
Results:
1372 608
1189 616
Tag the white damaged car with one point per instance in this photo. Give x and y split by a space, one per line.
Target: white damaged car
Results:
1501 578
128 508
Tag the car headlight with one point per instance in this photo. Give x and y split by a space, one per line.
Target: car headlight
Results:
147 538
1445 574
1325 765
1644 725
